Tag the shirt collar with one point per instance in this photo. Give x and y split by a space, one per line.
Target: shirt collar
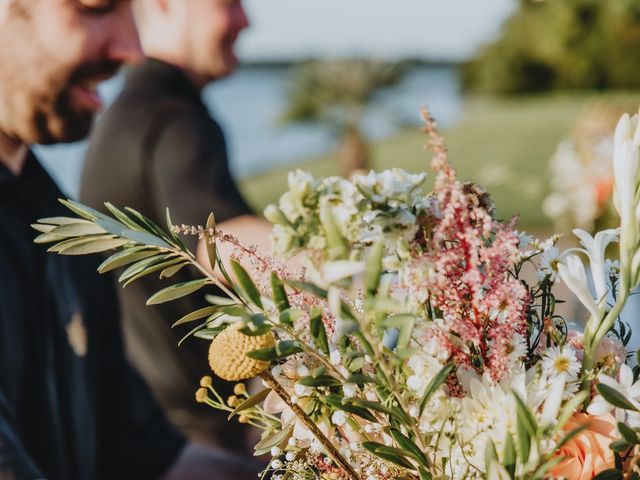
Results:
7 176
158 74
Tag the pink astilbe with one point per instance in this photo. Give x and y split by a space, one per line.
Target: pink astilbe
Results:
482 306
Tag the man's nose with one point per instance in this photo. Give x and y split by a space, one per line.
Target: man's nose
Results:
243 20
124 46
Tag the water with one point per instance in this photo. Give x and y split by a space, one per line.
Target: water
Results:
249 105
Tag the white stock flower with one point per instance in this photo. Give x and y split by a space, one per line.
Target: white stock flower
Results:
595 248
339 418
574 276
625 386
625 166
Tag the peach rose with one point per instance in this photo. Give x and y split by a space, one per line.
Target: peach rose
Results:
588 453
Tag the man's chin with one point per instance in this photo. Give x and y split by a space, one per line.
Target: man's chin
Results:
68 131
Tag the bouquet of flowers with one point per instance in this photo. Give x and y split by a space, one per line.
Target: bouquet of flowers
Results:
420 340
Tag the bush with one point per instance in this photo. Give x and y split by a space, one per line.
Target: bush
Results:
562 44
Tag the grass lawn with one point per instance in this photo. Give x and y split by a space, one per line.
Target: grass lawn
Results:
503 144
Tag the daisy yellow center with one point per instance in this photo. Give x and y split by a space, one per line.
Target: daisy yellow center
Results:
561 364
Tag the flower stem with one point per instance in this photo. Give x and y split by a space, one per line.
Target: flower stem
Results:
310 424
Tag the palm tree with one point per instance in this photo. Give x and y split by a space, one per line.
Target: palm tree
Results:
337 93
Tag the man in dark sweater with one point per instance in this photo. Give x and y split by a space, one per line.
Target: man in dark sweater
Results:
158 147
71 408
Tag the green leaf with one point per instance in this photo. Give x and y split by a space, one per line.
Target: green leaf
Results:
197 315
282 349
145 238
337 245
373 268
570 407
360 379
173 234
208 333
405 335
523 413
82 210
211 242
424 475
406 444
146 223
490 455
176 291
155 268
141 265
570 435
610 474
42 228
620 446
628 434
250 402
615 398
320 381
524 440
80 229
391 411
335 402
123 217
89 246
274 440
125 257
318 332
251 291
510 459
46 238
256 325
434 384
308 287
279 293
59 220
193 331
218 300
172 270
290 316
394 455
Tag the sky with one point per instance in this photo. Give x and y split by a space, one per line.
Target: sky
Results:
426 29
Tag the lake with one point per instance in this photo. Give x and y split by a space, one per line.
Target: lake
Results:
249 105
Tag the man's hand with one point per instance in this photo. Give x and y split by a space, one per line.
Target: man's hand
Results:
250 230
199 462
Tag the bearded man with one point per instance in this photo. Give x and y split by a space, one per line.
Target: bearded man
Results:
71 408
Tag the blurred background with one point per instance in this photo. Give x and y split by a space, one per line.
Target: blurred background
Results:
526 92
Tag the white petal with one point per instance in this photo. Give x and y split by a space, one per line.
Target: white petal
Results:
599 406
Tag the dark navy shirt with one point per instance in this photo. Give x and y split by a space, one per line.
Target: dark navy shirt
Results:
71 408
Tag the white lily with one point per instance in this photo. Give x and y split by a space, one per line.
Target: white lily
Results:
553 401
595 248
340 269
626 387
574 276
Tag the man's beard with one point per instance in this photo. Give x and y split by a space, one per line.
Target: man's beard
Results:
54 118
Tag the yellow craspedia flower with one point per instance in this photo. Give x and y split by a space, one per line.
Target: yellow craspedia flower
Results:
228 354
202 395
206 381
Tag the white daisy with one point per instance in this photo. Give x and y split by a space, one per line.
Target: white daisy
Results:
561 361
